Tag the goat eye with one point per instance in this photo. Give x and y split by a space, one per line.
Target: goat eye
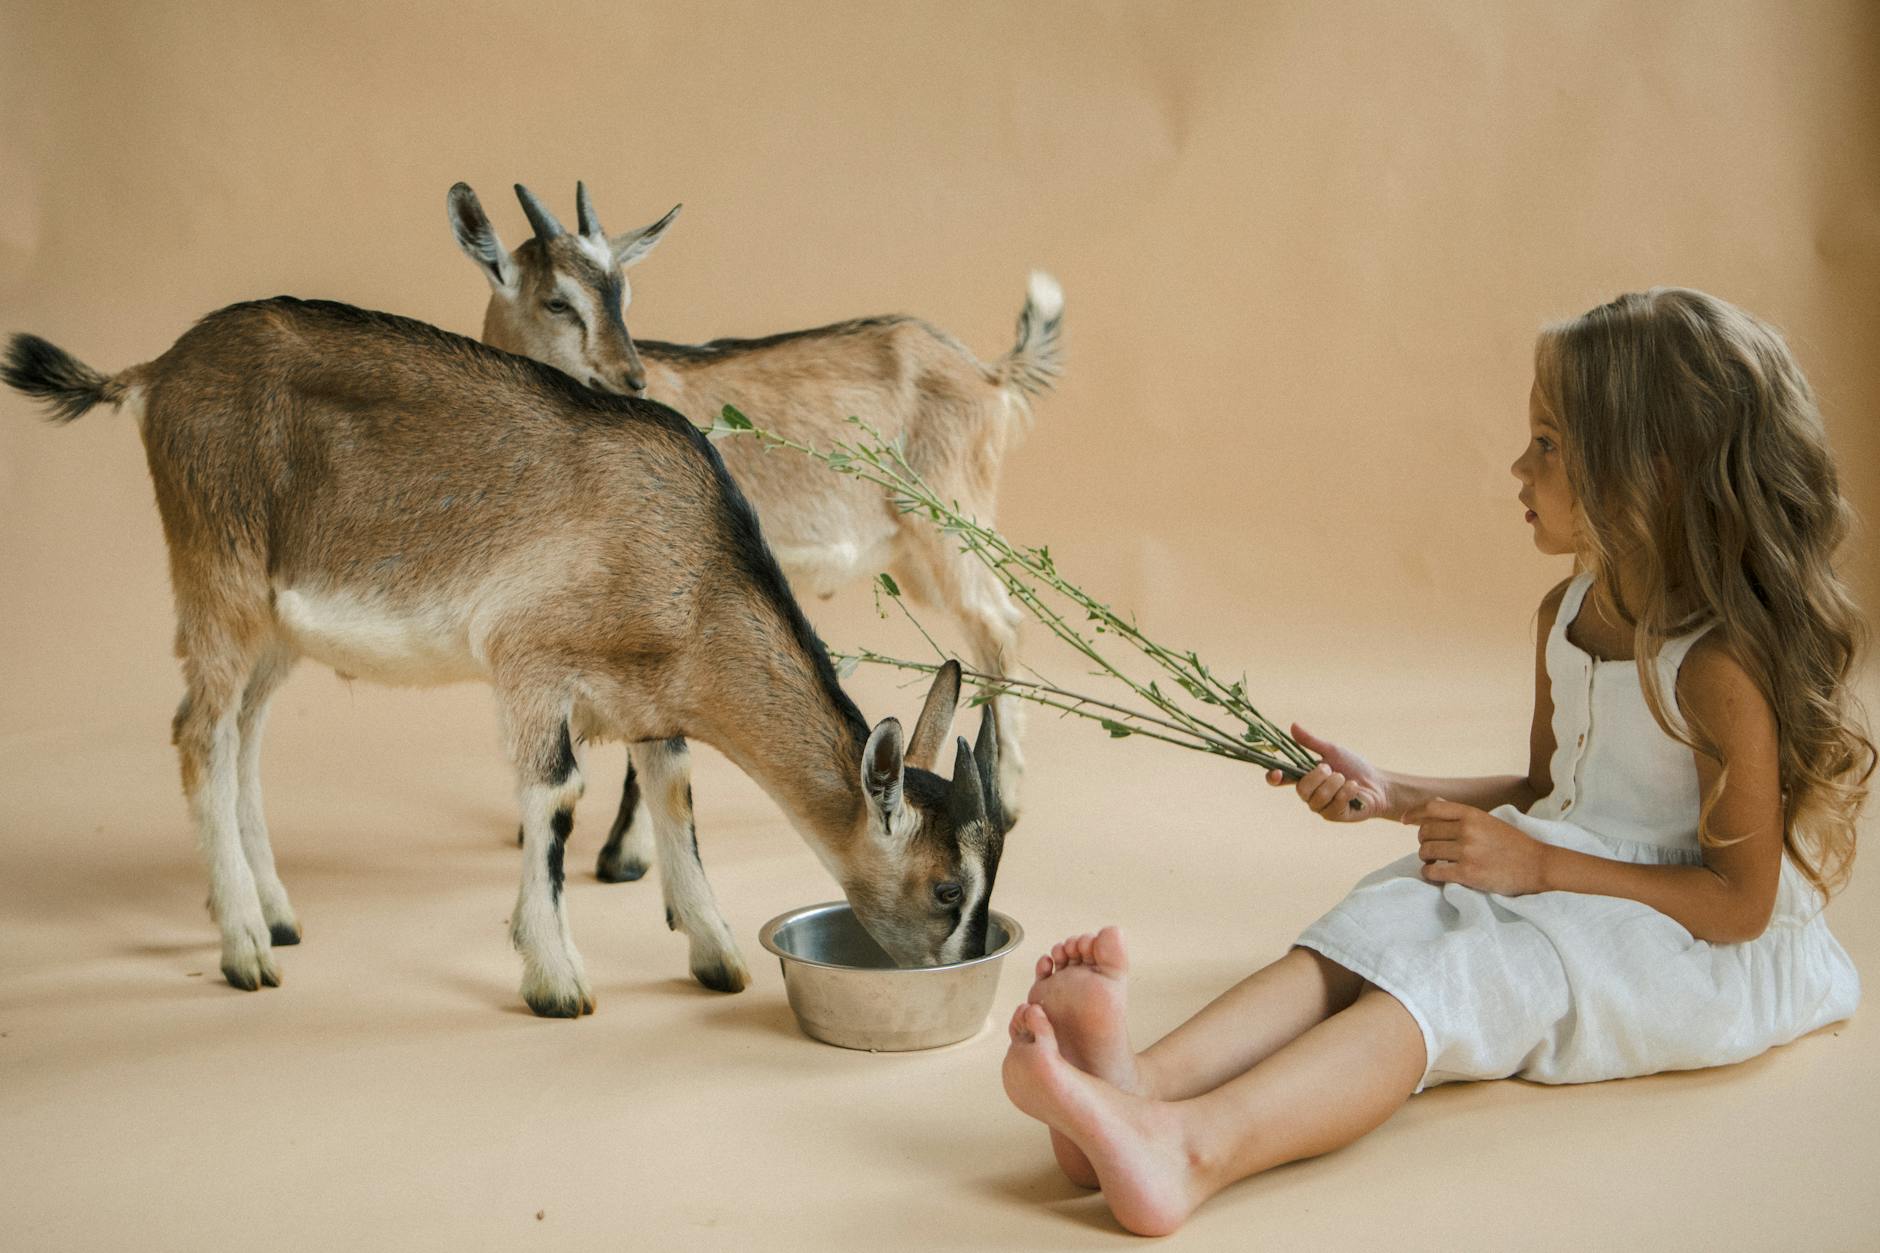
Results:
948 893
556 306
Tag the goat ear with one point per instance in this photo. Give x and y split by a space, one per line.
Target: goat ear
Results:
986 755
478 239
882 770
633 246
936 717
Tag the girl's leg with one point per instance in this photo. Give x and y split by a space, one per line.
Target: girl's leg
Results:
1082 987
1157 1160
1247 1024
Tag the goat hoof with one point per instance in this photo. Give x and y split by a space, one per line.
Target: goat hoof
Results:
252 978
565 1001
570 1005
284 934
723 976
246 961
611 867
246 980
555 1007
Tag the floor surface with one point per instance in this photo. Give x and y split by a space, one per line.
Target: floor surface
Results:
394 1093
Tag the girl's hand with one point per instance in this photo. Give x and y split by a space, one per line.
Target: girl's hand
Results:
1343 787
1461 844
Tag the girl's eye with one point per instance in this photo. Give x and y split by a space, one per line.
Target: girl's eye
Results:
1546 445
948 894
556 306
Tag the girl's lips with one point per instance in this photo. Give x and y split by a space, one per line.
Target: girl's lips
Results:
1531 515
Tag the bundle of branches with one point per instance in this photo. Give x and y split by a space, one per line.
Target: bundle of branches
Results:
1195 709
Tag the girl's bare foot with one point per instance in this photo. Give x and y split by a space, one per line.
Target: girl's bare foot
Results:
1083 987
1135 1146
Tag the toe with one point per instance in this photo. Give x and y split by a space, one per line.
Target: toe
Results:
1108 950
1038 1024
1045 969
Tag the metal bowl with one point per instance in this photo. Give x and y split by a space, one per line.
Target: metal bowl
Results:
846 991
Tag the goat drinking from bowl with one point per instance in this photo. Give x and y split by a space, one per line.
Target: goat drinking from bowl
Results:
411 507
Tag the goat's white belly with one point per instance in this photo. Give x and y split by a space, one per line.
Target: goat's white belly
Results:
365 638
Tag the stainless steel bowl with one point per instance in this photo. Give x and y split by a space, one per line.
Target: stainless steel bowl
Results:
846 991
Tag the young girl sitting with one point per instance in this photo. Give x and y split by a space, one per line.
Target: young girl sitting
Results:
1646 897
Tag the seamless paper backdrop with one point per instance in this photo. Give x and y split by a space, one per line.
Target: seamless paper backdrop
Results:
1305 248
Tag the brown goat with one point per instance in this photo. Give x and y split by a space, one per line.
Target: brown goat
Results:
411 507
562 297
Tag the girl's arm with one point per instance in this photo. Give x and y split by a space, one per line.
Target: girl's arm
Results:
1345 787
1725 900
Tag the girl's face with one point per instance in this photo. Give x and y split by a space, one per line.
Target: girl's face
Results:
1543 476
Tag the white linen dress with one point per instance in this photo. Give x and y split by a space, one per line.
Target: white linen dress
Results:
1564 987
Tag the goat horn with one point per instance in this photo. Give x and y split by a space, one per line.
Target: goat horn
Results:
586 220
540 219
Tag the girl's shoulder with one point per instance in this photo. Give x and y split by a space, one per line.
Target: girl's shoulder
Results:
1712 667
1717 691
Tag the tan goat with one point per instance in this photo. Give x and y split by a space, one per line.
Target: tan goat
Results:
562 298
409 506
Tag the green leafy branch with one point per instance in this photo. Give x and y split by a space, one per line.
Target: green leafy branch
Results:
1216 716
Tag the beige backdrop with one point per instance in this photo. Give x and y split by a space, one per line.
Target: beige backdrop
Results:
1305 248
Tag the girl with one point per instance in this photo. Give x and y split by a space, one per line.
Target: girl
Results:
1646 897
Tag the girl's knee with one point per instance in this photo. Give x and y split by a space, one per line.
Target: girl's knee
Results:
1342 986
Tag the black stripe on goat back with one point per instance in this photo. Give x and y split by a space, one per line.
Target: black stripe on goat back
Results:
574 402
745 537
719 349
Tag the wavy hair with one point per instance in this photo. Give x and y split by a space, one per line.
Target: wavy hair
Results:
1697 457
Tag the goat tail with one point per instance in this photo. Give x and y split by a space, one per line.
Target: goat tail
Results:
67 386
1035 362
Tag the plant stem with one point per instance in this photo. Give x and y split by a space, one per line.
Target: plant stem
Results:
1025 572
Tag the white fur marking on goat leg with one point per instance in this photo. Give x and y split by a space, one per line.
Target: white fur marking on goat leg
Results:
665 774
276 910
246 958
554 982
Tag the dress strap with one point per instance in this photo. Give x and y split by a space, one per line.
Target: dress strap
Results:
1570 603
1671 655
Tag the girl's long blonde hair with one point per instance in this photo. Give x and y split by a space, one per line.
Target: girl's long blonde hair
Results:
1696 454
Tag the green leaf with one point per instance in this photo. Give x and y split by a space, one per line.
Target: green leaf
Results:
1116 729
730 416
887 582
846 666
